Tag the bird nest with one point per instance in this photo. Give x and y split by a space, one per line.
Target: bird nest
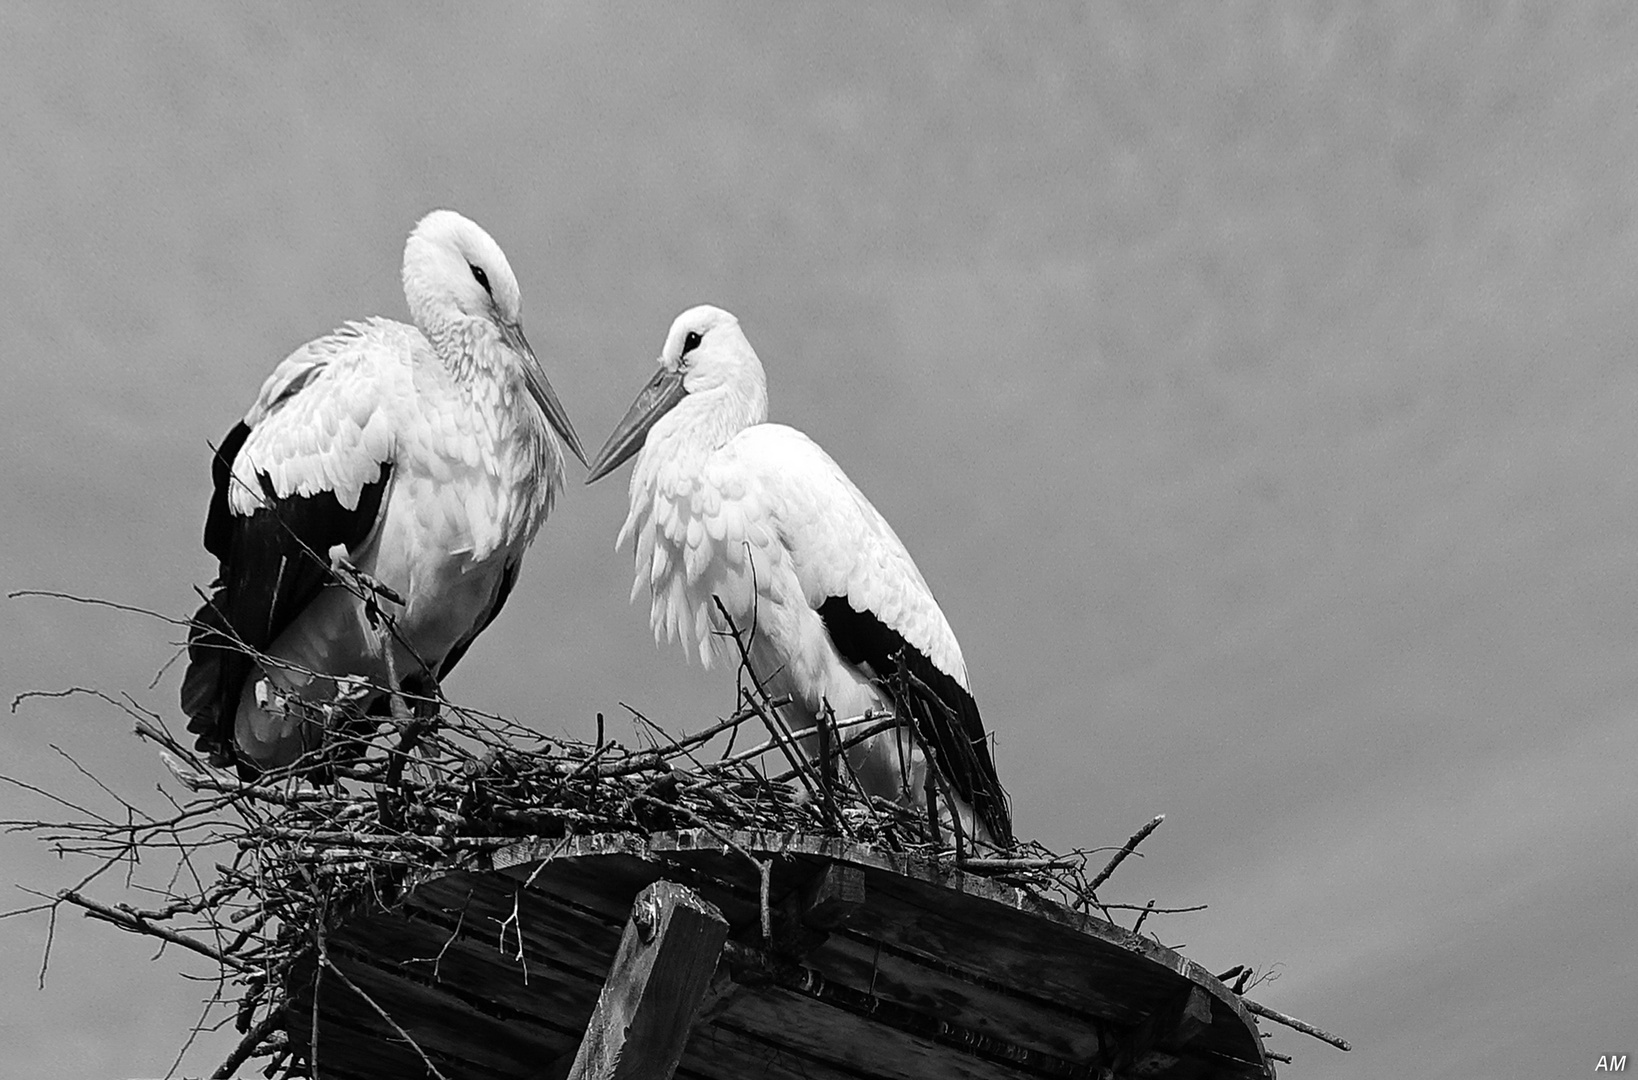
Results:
265 867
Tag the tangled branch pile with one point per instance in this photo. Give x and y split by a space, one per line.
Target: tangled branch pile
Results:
264 866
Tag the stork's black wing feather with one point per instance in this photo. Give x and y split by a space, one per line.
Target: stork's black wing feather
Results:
941 707
218 521
273 563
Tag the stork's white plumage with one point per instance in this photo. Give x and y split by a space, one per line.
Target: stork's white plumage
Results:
424 455
726 505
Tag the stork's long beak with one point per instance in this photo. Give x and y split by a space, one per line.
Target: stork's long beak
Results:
534 377
656 399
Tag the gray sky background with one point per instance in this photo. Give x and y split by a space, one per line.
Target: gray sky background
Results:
1252 382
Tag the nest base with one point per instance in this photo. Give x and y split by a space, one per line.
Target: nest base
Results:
841 961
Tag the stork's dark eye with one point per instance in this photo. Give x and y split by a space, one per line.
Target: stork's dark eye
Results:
483 279
690 342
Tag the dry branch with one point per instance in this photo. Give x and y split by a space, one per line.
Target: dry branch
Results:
129 920
1120 856
1295 1024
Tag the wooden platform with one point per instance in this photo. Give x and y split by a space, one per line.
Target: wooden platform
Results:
881 966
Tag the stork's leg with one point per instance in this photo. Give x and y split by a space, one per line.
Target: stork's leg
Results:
425 696
395 698
371 592
890 765
422 690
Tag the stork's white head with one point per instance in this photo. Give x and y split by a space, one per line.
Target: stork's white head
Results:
463 295
706 360
451 265
708 349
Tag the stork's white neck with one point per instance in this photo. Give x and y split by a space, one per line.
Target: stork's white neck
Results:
703 422
468 346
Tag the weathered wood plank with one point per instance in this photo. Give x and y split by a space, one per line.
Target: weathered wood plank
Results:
464 1038
606 883
1026 1019
760 969
355 1047
499 910
539 986
850 1042
832 896
1007 947
714 1053
667 957
607 890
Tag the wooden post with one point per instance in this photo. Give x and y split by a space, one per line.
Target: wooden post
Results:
803 921
667 955
834 895
1147 1048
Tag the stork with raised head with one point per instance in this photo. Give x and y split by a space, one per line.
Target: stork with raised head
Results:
725 505
421 460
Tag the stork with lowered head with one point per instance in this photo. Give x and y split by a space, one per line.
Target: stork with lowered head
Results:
371 511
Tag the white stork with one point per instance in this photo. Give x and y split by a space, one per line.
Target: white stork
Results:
423 457
726 505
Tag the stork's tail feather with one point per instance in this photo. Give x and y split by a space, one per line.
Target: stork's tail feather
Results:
973 773
961 749
990 801
213 654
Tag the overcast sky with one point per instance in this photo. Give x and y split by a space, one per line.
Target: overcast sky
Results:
1253 383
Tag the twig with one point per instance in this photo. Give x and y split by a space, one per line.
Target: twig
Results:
700 738
127 921
1120 856
1292 1022
1014 866
93 601
1155 910
764 869
201 781
249 1044
770 717
865 733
